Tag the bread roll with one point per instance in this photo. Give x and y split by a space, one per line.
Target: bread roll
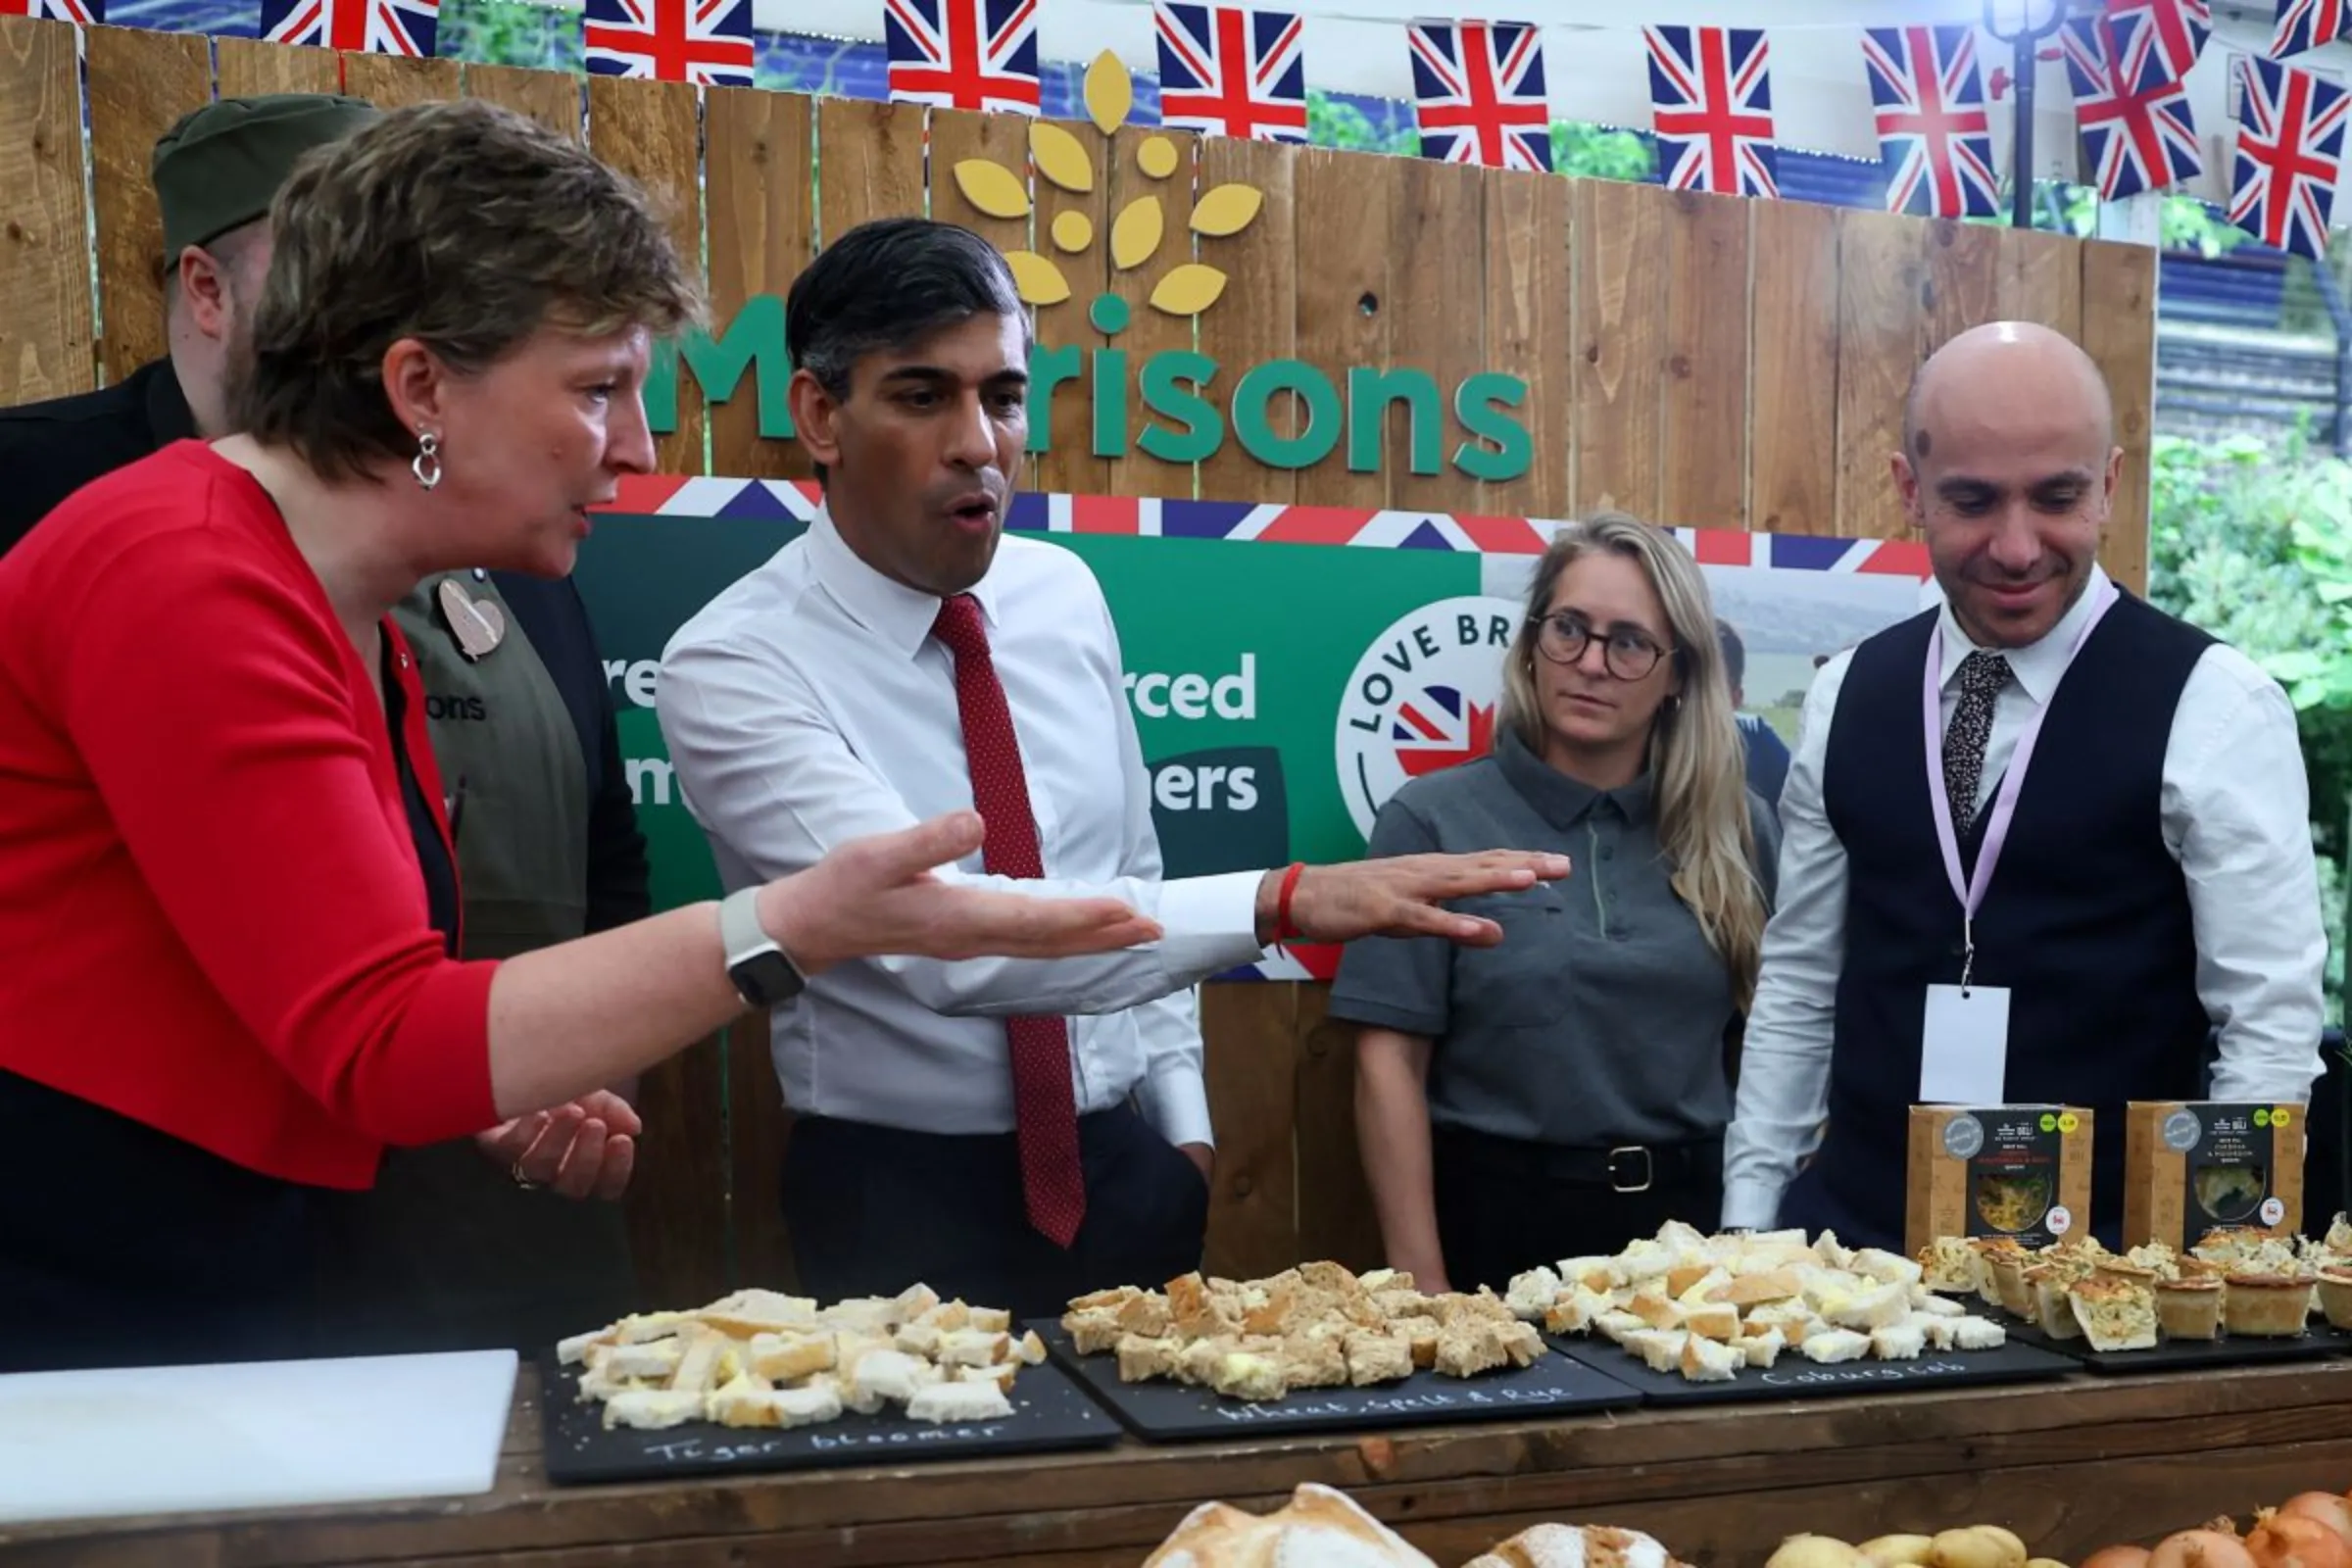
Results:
1574 1546
1318 1527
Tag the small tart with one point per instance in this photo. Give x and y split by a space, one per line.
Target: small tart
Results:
2266 1305
2189 1309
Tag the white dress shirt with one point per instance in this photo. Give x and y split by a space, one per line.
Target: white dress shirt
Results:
810 704
2236 809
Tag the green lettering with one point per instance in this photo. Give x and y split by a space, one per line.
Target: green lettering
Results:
1166 382
1369 394
1110 403
1048 367
661 388
1324 415
1479 402
754 341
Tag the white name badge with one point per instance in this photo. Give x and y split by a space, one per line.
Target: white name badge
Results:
1964 1049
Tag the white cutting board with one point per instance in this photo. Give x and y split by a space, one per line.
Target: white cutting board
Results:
256 1435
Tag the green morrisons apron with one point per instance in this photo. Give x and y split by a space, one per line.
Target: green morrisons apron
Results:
446 1253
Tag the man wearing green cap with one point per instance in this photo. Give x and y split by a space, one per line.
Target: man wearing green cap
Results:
451 1248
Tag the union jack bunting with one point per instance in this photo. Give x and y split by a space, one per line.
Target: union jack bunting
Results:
2290 149
1478 93
2308 24
2137 132
963 54
1232 73
1710 99
80 13
371 26
708 42
2181 29
1934 134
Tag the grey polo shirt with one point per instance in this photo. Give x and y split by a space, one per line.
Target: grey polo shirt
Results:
1600 1018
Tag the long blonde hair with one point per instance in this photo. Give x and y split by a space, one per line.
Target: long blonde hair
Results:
1697 759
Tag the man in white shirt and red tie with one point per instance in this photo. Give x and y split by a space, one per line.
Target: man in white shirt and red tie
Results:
1013 1131
2043 844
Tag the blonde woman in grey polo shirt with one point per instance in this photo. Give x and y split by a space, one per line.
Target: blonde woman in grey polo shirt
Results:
1567 1090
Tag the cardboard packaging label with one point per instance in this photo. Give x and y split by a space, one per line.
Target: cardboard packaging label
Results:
2199 1166
2021 1171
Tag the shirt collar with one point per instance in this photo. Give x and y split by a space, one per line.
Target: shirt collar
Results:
900 615
2038 665
1565 802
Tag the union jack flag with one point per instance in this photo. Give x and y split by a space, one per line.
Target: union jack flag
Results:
2181 29
1235 73
2290 149
1934 134
2137 129
963 54
369 26
1710 99
1478 93
708 42
2308 24
80 13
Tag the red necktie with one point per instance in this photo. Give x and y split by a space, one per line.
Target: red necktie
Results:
1045 1108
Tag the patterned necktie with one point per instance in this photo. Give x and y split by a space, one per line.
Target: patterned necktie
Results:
1045 1107
1982 678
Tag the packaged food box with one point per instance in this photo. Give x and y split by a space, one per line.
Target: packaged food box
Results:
2196 1165
1997 1170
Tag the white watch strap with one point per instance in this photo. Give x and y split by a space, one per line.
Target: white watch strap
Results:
738 927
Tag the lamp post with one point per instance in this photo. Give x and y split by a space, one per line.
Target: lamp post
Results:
2022 24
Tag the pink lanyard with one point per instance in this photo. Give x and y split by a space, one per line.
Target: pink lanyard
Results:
1971 893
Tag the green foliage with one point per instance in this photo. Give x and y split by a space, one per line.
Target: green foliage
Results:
1595 152
508 33
1331 122
2187 224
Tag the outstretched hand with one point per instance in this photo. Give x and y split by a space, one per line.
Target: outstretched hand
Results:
875 897
1400 896
585 1147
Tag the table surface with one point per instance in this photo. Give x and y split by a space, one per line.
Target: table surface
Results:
2070 1466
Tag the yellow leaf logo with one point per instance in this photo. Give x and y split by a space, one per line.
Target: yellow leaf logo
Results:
1135 233
1059 157
991 187
1039 280
1109 92
1227 210
1189 289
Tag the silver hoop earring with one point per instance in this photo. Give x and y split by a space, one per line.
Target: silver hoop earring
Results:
426 464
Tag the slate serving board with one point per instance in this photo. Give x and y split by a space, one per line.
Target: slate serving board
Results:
2183 1355
1163 1411
1050 1413
1793 1377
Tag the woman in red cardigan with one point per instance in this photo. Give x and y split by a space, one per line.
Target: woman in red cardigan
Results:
226 894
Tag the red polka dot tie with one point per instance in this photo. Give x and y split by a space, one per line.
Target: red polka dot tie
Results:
1045 1107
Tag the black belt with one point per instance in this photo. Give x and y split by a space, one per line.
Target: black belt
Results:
1621 1168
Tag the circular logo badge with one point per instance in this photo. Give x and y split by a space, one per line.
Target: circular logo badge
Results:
2278 1117
2069 1123
1425 696
2262 1117
2059 1220
2182 1130
2272 1211
2049 1121
1963 1136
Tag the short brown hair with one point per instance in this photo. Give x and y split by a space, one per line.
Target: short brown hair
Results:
461 225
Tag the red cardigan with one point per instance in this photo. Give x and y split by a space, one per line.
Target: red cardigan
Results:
213 917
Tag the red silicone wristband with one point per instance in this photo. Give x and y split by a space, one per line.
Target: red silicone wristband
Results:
1284 931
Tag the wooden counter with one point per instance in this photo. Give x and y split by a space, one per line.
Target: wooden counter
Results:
2070 1467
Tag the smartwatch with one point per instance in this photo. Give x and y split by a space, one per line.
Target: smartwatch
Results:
764 976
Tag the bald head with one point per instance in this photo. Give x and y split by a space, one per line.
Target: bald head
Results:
2021 370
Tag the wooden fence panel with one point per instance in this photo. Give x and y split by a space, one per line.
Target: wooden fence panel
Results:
2042 281
1531 332
1704 425
960 136
871 156
2119 301
1793 321
46 325
1620 311
1348 308
1252 1038
1964 280
140 84
1882 277
1072 229
762 225
649 131
1150 330
1257 319
249 68
1437 275
396 81
1336 1219
554 98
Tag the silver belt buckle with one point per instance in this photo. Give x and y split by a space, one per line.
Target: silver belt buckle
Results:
1617 1182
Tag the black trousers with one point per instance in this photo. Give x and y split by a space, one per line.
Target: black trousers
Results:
873 1210
1505 1206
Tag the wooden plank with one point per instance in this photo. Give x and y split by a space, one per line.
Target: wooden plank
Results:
1150 330
869 163
1082 255
1620 308
1336 1220
1882 279
960 136
140 84
396 81
1257 319
762 232
1703 423
1530 292
1348 308
759 1126
248 68
1247 1030
649 132
677 1201
2119 331
46 326
551 97
1793 447
1964 280
1437 281
2041 279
